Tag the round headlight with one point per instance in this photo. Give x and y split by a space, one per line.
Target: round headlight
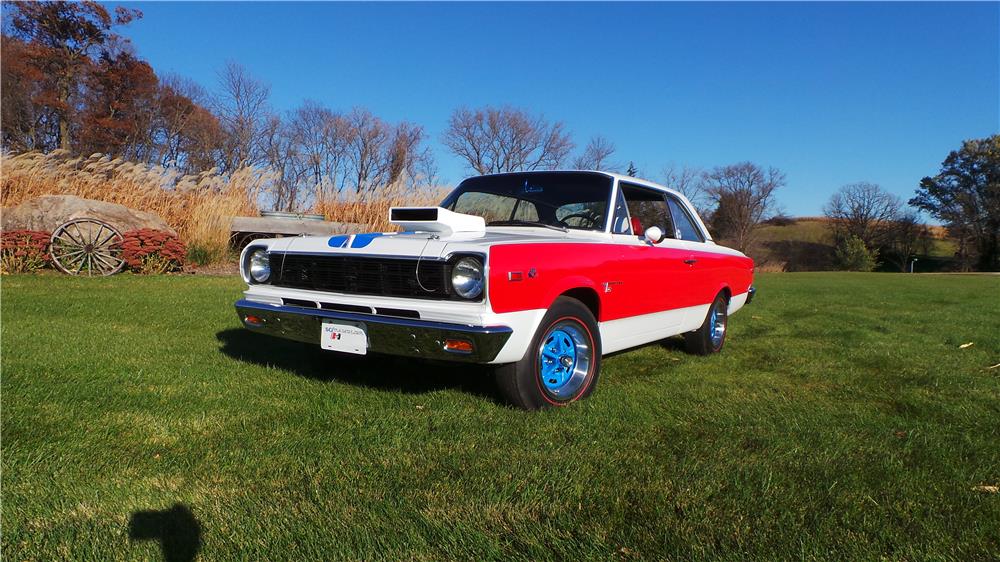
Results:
260 266
467 278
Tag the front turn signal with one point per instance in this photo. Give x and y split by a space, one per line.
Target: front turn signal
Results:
458 346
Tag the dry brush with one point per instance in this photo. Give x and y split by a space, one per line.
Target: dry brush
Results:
198 206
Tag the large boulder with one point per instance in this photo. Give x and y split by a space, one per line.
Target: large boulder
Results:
49 211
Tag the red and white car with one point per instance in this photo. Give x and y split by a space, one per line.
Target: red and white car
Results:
537 273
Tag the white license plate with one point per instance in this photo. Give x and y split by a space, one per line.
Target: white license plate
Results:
348 337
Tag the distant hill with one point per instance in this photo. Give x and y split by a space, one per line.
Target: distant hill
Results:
806 244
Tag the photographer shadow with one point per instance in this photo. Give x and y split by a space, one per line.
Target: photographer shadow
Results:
176 529
381 372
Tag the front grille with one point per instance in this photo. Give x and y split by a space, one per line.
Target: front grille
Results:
355 275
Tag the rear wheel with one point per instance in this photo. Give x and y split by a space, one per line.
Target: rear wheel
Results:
711 336
562 363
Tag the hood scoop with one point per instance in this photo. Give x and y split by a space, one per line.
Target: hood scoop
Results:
435 219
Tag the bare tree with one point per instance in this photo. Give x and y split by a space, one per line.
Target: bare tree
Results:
321 138
243 110
337 133
369 137
381 155
280 151
864 210
688 180
295 149
408 161
317 153
744 196
596 155
506 139
307 127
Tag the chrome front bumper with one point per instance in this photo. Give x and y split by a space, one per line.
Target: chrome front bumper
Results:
389 335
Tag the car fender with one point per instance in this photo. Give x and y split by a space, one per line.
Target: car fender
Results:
567 284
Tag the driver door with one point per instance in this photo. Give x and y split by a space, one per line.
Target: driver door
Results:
654 277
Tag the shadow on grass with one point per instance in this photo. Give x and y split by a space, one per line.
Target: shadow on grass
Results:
382 372
675 343
176 529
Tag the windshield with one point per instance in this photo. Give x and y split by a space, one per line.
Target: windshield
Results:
562 200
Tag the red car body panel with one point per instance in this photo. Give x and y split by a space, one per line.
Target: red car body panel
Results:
629 279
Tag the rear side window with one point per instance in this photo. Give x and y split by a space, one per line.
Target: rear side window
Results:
684 227
647 208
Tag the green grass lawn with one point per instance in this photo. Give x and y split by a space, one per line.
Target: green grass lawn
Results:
842 421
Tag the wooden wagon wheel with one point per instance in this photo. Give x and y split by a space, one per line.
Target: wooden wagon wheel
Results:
87 245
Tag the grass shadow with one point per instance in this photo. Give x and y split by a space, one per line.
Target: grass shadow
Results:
381 372
176 529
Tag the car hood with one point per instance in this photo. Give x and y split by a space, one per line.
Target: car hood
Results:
428 245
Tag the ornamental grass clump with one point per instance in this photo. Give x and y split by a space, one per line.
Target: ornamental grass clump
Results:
371 209
149 251
24 251
198 206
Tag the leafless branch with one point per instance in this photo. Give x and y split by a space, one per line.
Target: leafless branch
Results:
506 139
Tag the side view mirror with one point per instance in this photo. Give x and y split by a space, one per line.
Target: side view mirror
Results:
654 234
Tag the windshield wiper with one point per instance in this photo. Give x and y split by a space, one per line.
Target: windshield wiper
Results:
527 223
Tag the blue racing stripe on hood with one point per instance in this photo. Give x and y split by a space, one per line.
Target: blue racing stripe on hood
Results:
337 241
362 240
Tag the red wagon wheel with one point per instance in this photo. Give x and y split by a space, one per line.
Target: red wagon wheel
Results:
87 245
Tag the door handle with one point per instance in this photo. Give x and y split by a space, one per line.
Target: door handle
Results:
690 261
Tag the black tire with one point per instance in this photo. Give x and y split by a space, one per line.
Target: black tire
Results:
701 341
521 383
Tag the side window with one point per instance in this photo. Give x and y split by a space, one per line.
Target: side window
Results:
648 208
684 224
621 223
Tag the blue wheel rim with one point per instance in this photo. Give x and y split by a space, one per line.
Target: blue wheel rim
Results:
564 359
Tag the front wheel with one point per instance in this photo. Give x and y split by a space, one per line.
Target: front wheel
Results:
711 336
562 363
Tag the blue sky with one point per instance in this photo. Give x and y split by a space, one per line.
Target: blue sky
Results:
830 93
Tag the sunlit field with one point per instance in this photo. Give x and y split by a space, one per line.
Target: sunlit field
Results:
851 416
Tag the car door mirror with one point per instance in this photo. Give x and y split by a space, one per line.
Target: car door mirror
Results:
655 235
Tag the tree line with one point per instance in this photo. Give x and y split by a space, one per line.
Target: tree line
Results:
867 223
71 82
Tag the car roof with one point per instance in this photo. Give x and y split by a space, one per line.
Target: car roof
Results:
629 179
613 175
